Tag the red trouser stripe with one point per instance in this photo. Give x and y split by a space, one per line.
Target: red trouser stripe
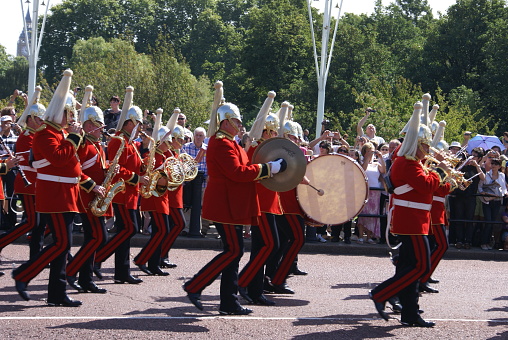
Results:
89 248
179 224
255 264
49 253
411 276
22 228
217 265
155 240
113 243
287 261
438 253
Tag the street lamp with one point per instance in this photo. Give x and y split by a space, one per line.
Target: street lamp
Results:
323 61
34 43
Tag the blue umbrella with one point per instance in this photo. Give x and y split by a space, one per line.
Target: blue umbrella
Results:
486 142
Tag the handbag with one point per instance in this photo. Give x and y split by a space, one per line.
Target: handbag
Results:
492 191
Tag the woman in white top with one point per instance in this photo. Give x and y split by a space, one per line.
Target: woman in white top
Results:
374 165
491 207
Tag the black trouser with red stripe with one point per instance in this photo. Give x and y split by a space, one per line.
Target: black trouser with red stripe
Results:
265 242
151 252
94 229
225 263
55 253
413 264
439 245
32 218
291 233
177 223
126 224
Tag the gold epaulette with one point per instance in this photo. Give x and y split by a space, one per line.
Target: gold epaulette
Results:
40 128
223 134
410 158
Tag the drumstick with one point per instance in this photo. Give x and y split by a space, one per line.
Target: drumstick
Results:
319 191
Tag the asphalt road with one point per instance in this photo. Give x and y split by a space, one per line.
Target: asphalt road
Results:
330 303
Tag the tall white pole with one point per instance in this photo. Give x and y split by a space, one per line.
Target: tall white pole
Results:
323 64
34 43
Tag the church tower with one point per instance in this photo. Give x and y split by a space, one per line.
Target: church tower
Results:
22 43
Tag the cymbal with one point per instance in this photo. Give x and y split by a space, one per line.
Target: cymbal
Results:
277 147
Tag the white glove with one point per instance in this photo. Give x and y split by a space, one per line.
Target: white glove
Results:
275 166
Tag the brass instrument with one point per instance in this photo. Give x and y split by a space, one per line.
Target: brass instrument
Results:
157 179
190 166
173 167
454 177
100 205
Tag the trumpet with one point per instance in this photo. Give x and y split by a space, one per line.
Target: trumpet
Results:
454 177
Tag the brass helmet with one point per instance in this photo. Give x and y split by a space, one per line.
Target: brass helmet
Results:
424 135
35 109
228 111
93 114
290 128
272 123
178 132
135 114
162 134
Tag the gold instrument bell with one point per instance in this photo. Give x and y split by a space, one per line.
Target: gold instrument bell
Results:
274 148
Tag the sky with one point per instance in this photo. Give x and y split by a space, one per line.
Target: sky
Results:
11 24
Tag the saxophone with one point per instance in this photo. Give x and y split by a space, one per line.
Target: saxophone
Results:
100 204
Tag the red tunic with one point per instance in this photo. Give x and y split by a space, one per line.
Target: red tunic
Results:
269 201
23 147
407 220
93 165
130 167
158 204
49 143
230 196
437 213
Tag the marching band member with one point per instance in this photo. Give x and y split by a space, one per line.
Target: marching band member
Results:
411 202
93 166
175 197
30 121
157 206
264 235
125 203
58 174
229 172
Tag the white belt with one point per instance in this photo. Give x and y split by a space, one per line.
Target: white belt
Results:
59 179
402 189
89 163
409 204
27 168
40 164
438 198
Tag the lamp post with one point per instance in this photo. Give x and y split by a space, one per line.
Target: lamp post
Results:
323 61
34 43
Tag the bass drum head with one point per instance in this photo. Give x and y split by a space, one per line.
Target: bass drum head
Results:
344 185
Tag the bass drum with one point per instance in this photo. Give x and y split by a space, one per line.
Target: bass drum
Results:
343 189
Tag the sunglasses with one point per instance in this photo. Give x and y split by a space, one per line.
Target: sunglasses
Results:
342 150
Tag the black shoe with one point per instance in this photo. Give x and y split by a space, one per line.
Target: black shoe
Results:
129 279
93 288
424 287
97 270
158 271
334 239
66 302
282 289
263 301
71 280
21 289
243 293
347 240
2 273
144 269
419 323
195 299
166 264
396 306
297 271
112 230
431 280
240 311
380 307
